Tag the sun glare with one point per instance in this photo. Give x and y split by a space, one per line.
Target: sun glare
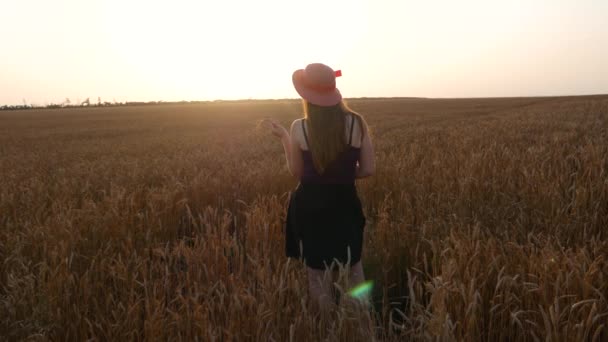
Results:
225 49
136 50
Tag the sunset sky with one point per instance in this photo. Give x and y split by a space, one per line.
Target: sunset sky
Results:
135 50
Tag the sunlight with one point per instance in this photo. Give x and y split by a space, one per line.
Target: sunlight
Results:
136 50
225 49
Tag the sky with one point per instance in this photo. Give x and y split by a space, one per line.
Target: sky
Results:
149 50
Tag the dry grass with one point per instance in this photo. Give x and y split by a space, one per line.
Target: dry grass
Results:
486 221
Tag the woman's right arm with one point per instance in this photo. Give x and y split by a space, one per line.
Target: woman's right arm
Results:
367 162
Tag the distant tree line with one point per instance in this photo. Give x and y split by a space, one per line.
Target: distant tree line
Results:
87 103
65 104
69 104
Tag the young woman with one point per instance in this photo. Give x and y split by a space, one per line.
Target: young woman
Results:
326 151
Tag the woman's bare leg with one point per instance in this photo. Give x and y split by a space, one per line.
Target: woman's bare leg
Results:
355 278
356 275
360 305
320 283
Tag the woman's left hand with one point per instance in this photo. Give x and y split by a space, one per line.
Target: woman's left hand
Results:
276 128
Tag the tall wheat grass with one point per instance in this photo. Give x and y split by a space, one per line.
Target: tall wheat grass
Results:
486 221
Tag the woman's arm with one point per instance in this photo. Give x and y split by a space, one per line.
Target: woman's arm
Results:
367 162
293 156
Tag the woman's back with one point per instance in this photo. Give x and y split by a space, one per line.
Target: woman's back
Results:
341 170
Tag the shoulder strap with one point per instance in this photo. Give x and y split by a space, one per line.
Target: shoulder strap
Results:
352 125
305 136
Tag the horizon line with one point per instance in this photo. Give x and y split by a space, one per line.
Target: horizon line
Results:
159 102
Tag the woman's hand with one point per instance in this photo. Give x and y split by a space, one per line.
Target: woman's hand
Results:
276 128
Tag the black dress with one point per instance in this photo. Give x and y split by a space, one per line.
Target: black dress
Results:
325 219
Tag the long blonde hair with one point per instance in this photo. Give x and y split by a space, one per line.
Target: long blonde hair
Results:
326 131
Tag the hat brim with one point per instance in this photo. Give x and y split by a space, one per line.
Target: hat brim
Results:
325 99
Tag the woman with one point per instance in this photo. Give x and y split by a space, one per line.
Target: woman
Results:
326 151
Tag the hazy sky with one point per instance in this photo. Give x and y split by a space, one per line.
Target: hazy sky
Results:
140 50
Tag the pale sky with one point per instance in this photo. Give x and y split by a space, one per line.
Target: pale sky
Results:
148 50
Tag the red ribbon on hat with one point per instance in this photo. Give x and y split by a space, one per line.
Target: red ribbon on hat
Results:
338 73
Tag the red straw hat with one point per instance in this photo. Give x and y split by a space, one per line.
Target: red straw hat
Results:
317 84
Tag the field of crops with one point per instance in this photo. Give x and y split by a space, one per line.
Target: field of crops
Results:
486 220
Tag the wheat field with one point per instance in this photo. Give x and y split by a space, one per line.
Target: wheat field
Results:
486 220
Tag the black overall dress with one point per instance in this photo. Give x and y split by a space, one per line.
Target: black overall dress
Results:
325 219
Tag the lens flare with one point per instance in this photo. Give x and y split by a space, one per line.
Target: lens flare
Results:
362 290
